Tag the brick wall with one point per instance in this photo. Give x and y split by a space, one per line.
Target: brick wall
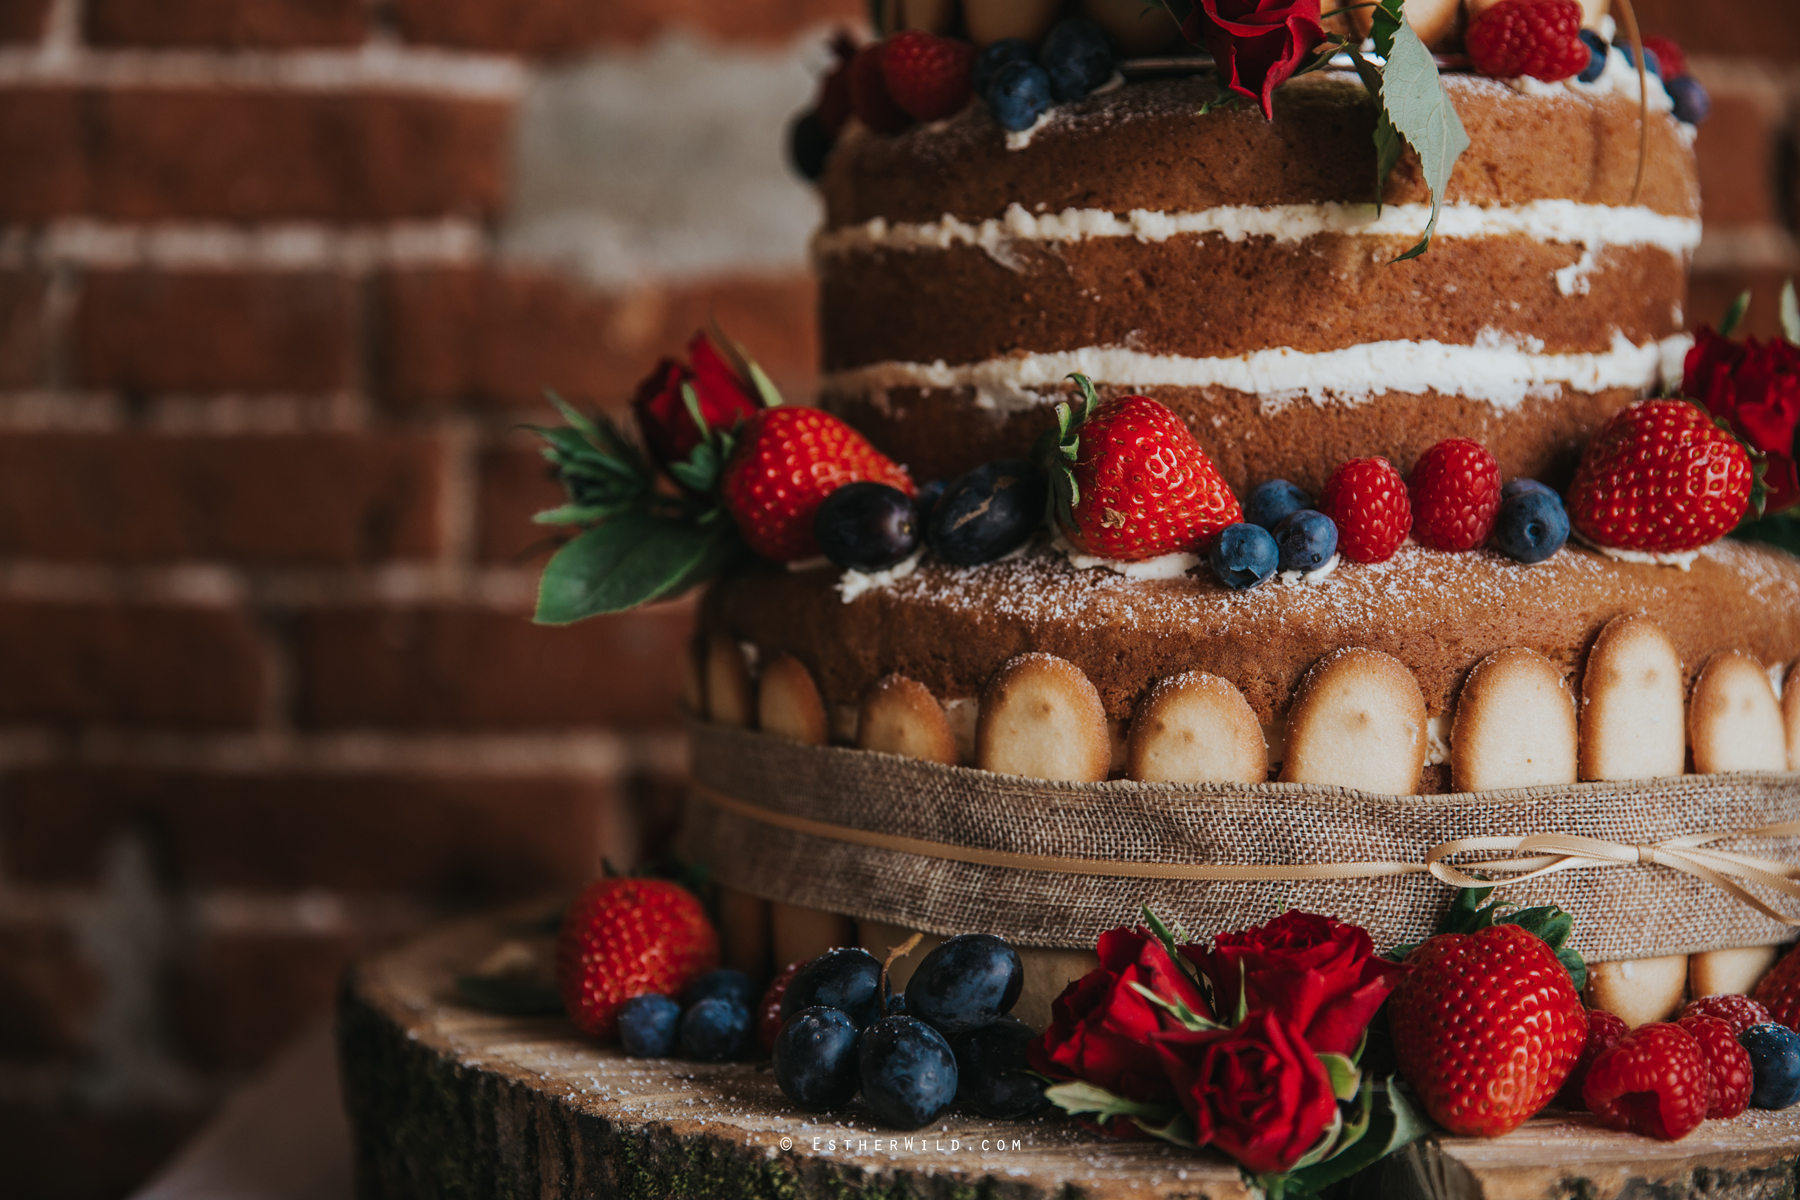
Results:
278 278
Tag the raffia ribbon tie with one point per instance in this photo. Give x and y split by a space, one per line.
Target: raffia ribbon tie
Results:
1527 858
1543 854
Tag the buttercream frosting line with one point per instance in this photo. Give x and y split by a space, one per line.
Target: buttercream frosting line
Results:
1503 370
1589 225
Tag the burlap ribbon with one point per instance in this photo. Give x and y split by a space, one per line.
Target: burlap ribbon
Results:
948 849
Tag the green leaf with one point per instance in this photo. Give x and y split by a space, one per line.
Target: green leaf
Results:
630 560
1734 316
572 514
1790 313
1392 1123
1189 1019
1163 933
514 997
1546 921
1345 1078
1080 1098
1782 531
1413 99
1178 1129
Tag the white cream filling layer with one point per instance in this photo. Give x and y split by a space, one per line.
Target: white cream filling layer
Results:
1167 566
1501 369
1592 226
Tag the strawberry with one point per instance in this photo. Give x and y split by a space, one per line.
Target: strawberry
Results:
928 76
1454 490
1661 477
1539 38
1779 991
1652 1081
1129 481
768 1009
1367 500
1492 1026
1603 1030
1736 1010
869 98
786 461
624 937
1727 1062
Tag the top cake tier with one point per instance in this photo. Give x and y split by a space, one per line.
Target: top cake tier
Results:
1234 268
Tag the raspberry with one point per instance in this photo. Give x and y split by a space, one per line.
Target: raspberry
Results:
1779 991
1367 499
1652 1081
1736 1010
1726 1061
869 98
1603 1031
768 1009
1455 492
1539 38
1669 56
928 76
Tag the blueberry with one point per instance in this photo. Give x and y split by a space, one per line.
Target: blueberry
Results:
926 499
1271 501
1597 52
1244 556
988 513
808 144
1651 63
725 983
1077 56
1514 486
1019 95
907 1070
1306 540
866 526
1531 525
994 56
647 1026
965 983
715 1030
846 979
1774 1064
815 1059
991 1072
1692 104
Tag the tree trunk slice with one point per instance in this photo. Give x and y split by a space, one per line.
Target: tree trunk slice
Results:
449 1101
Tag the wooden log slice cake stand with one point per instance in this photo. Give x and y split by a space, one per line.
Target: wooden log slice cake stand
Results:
449 1100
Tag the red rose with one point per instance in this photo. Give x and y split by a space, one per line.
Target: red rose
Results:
1756 387
1257 1092
1316 972
1256 44
1100 1028
668 429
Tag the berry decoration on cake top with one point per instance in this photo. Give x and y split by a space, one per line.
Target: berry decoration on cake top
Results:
1539 38
1661 478
1128 480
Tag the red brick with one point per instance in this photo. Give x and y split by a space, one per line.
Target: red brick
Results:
1752 28
228 23
262 498
464 840
1710 293
48 993
24 329
70 1152
498 338
1738 149
248 154
558 27
150 331
515 483
451 668
22 20
79 663
235 999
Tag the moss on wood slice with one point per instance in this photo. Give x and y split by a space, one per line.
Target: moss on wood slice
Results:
449 1101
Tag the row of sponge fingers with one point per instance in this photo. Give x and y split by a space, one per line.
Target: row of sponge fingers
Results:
1358 719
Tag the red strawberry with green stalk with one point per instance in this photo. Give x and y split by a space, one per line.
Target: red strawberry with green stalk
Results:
1129 481
1663 476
